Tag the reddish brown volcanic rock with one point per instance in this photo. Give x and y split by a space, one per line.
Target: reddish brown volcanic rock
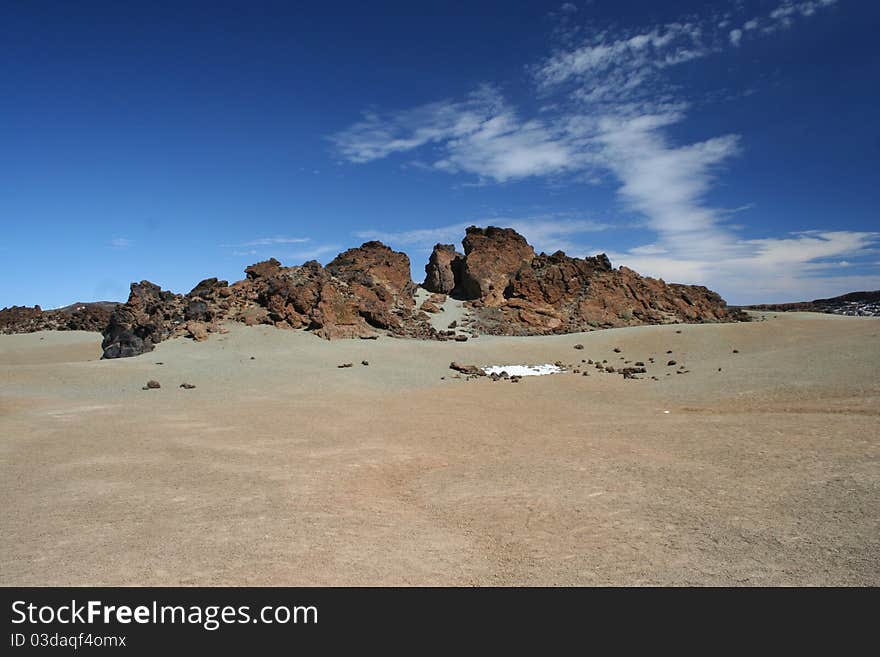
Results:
493 257
379 286
361 292
443 269
518 293
368 290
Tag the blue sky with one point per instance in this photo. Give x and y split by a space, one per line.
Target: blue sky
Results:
731 144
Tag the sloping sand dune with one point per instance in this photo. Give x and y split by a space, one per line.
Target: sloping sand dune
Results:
281 468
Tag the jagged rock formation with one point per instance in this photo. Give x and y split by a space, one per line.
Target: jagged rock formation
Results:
515 292
443 269
493 256
360 293
92 316
368 290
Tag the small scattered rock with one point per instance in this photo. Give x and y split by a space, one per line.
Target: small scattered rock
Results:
187 386
345 365
736 351
671 363
460 338
678 331
471 370
453 324
579 346
616 350
365 363
152 385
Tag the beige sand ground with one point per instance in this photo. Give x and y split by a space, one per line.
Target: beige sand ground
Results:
287 470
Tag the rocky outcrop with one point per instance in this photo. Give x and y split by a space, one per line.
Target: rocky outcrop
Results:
515 292
443 269
91 316
493 257
368 291
149 316
360 293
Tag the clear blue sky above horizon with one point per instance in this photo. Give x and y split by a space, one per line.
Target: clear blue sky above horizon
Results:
730 144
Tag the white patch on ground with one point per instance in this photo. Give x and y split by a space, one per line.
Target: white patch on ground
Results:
523 370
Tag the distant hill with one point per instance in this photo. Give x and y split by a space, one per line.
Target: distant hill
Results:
81 305
82 316
865 304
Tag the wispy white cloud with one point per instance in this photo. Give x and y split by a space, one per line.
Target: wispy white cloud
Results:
780 18
269 241
482 135
120 243
656 48
735 37
378 135
317 252
277 247
665 183
800 266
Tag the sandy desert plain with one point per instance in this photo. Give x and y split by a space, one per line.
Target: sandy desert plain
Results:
760 467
